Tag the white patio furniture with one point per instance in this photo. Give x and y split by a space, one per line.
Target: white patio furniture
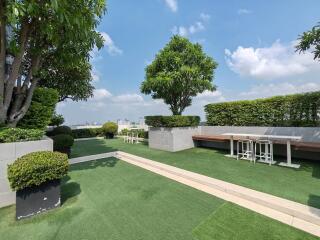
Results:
245 150
264 151
288 140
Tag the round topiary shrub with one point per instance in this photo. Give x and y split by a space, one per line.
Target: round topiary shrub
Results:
62 143
36 168
61 130
110 129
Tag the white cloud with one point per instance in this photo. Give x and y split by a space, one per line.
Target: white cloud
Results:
172 4
205 17
274 89
112 49
276 61
128 98
101 94
186 31
243 11
95 75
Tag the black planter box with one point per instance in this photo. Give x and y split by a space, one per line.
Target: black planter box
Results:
37 199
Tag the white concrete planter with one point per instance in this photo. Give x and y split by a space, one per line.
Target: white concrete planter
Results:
172 139
9 152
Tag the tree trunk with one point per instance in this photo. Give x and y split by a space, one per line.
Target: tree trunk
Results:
2 59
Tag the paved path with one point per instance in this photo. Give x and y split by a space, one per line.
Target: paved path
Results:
294 214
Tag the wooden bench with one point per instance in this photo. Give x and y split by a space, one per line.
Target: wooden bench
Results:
301 146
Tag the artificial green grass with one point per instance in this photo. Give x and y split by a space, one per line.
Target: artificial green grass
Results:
300 185
233 222
111 199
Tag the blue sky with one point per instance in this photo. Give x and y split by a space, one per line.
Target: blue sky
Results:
253 42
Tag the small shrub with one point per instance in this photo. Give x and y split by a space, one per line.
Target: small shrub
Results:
56 120
36 168
172 121
8 135
62 142
110 129
61 130
86 132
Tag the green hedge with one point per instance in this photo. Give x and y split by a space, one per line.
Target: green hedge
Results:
42 107
87 132
8 135
36 168
299 110
172 121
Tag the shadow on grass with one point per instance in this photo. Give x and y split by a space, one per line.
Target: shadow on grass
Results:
91 147
106 162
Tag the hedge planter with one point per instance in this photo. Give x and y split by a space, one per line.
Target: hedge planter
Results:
37 199
9 152
36 179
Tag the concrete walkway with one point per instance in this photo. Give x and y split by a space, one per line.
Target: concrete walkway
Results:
294 214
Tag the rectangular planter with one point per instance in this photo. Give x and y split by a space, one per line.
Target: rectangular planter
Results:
172 139
38 199
9 152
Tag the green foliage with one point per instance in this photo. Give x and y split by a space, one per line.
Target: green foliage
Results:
172 121
62 141
299 110
56 120
141 132
86 132
110 129
310 39
71 81
42 107
61 130
36 168
180 71
8 135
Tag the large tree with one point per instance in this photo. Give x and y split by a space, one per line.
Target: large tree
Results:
310 39
180 71
71 81
32 32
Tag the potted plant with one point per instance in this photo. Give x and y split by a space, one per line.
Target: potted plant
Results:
110 129
36 179
63 143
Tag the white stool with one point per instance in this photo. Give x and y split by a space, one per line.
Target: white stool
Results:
265 154
246 150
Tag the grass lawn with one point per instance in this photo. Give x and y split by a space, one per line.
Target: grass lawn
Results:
111 199
300 185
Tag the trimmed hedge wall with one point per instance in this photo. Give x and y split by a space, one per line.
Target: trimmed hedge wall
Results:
172 121
299 110
87 132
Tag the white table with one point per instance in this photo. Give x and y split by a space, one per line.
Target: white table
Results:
288 140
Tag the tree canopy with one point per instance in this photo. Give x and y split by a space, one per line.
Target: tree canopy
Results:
34 35
310 39
180 71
